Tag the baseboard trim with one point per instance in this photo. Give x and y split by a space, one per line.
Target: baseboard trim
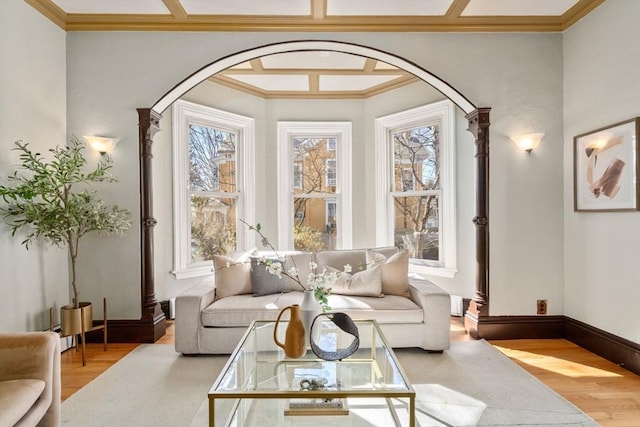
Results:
616 349
132 331
520 327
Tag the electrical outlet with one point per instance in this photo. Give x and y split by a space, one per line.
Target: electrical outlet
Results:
542 306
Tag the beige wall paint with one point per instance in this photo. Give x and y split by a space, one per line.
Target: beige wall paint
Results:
32 109
602 250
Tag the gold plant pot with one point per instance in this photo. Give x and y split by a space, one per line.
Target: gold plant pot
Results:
71 318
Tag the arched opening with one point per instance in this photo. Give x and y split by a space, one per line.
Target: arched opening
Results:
237 58
478 120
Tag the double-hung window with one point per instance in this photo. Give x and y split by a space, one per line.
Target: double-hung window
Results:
415 186
314 196
212 184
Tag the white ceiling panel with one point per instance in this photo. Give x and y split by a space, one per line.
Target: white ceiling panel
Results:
153 7
322 60
387 7
243 66
247 7
384 66
351 83
286 82
517 7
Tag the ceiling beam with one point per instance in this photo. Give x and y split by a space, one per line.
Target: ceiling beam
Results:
176 9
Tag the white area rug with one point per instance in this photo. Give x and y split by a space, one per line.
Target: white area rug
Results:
470 384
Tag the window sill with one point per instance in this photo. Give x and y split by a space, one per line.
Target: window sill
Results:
432 271
196 271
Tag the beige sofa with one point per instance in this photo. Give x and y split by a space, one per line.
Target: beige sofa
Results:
206 323
30 379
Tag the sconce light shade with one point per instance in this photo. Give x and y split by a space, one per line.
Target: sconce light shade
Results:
528 142
102 144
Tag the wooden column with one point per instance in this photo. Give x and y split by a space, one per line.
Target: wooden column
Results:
153 318
479 307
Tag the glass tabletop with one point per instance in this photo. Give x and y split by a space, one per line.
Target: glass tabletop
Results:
259 367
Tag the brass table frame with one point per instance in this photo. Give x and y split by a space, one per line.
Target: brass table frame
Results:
377 393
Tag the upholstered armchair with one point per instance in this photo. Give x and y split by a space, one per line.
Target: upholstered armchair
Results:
30 379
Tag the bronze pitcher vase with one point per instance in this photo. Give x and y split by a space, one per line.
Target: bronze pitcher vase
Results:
294 338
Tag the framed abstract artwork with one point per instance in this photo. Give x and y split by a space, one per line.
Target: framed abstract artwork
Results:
605 168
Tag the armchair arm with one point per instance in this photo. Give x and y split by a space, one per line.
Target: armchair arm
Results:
189 305
436 307
34 355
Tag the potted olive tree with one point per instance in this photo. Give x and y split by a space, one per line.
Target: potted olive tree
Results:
39 201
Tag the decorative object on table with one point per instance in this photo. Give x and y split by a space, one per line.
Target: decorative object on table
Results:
309 309
317 406
294 342
345 323
605 175
316 380
40 201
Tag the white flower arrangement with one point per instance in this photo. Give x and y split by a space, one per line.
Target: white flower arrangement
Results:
318 282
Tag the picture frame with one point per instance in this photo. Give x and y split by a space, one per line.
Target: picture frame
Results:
605 168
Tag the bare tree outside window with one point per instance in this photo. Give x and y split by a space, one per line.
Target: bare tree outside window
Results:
315 182
416 193
212 183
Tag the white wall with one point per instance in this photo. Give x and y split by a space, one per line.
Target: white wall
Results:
112 73
602 250
32 109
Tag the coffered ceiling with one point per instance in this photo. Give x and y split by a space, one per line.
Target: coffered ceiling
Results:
315 15
315 74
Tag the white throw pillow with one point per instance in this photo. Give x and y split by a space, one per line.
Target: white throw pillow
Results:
365 283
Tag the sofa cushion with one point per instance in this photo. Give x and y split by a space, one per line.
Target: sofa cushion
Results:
365 283
232 275
264 282
390 309
395 272
356 258
17 397
241 310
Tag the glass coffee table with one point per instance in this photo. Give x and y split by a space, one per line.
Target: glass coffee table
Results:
260 386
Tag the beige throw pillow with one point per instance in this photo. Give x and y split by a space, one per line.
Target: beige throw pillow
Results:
233 276
366 283
395 272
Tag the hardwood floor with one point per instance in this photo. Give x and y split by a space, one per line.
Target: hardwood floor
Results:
605 391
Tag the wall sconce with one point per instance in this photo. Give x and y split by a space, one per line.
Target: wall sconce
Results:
102 144
528 142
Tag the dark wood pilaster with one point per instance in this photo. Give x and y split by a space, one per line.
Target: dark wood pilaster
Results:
479 307
153 320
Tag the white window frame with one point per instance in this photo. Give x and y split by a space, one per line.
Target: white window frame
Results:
184 114
444 113
286 132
